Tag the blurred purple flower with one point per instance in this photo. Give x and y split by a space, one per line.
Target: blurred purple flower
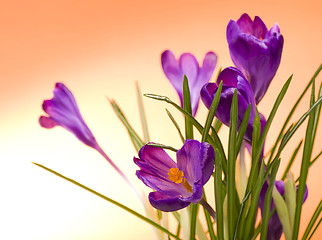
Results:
197 76
232 78
63 111
275 228
255 51
178 184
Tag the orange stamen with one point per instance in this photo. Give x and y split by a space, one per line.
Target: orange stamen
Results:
177 176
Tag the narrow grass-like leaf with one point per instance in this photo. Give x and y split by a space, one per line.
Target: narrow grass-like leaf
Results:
136 140
209 221
202 235
216 143
111 201
250 218
193 218
307 153
312 221
268 200
242 205
317 115
288 135
159 145
280 135
142 114
217 125
187 107
257 231
271 116
316 227
242 129
175 124
219 195
211 113
289 165
316 158
231 186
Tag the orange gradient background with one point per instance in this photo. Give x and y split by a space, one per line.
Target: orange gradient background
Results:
99 49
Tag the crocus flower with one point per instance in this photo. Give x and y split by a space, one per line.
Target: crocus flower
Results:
275 228
188 65
176 184
232 79
255 51
63 111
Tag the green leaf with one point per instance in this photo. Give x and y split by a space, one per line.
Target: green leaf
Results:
187 107
217 125
231 186
211 113
280 135
209 221
316 227
268 200
282 213
176 125
242 206
307 153
194 213
287 169
250 218
111 201
242 129
142 115
136 140
289 134
159 145
219 195
271 117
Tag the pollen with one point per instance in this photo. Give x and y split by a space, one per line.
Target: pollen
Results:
175 175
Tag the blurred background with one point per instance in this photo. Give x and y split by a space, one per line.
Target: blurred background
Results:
99 49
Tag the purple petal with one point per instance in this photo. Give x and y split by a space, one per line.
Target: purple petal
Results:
160 184
47 122
190 67
172 71
157 158
189 161
166 203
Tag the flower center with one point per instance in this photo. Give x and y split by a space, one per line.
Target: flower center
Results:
177 176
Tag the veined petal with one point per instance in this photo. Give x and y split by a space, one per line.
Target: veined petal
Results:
189 161
157 158
172 70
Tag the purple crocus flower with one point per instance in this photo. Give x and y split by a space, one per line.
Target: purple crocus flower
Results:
275 228
255 51
63 111
176 184
188 65
232 78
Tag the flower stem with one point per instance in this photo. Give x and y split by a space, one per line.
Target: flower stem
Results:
208 208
